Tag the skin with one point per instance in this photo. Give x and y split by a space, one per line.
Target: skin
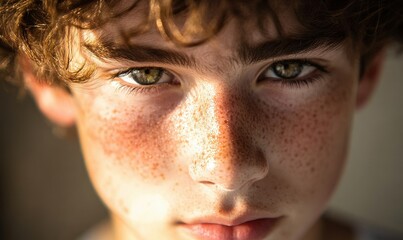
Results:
218 142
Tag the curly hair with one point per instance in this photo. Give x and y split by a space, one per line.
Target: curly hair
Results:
39 28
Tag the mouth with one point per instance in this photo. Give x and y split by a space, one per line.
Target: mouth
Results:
256 229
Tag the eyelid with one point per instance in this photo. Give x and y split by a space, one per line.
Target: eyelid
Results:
321 65
126 71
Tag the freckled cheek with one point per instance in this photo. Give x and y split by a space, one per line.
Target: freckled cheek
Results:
134 140
309 145
129 154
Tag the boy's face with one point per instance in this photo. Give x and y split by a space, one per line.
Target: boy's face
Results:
221 136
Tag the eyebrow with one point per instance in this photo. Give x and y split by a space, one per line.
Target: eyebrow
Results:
247 54
287 46
140 53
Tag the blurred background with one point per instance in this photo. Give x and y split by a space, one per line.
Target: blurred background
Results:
45 193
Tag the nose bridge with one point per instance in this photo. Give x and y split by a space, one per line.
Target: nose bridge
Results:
229 157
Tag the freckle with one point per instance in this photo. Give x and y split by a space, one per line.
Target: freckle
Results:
222 211
155 166
312 169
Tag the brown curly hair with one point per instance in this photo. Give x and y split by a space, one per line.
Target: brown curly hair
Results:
38 28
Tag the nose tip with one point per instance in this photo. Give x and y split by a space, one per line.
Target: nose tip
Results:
229 174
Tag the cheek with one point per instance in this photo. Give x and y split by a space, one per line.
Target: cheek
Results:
308 147
134 138
128 150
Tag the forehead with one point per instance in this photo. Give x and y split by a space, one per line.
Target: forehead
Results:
240 41
146 21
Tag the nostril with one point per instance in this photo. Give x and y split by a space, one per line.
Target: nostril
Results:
206 182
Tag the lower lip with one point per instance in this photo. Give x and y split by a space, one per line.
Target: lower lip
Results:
256 230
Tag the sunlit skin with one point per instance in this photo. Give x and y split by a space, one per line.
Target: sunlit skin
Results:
222 140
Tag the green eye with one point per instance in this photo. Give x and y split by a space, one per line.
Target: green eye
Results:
288 70
142 76
293 72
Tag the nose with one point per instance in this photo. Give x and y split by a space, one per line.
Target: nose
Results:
229 157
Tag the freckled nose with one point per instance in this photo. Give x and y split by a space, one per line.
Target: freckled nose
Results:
229 157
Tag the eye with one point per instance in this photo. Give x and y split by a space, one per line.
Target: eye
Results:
290 69
145 76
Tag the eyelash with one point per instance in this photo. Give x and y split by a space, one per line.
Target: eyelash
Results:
298 83
140 90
